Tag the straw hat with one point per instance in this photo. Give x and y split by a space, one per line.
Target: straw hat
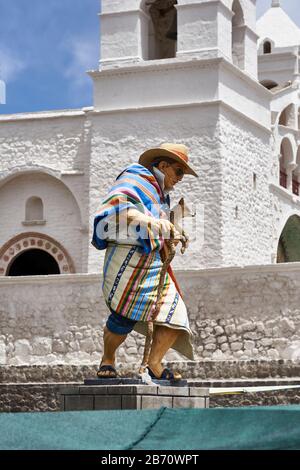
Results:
178 153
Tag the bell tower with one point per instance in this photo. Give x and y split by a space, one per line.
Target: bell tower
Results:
137 30
222 28
133 31
185 71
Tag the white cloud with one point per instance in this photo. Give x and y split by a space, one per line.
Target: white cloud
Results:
84 56
10 65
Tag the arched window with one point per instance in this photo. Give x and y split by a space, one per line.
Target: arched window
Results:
238 35
287 117
34 210
162 30
267 47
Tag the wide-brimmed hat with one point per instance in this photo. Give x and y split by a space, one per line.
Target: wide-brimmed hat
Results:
177 152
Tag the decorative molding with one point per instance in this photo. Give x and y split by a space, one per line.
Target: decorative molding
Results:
181 63
194 104
217 3
275 56
29 223
286 194
32 240
185 275
42 115
137 11
72 173
160 65
79 278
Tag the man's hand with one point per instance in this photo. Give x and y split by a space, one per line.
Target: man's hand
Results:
166 229
160 227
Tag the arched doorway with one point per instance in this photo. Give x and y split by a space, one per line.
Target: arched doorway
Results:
41 253
33 263
289 242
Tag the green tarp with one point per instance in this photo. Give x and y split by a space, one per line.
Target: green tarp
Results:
164 429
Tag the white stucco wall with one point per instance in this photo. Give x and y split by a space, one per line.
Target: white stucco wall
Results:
246 149
61 212
119 139
47 155
278 67
49 139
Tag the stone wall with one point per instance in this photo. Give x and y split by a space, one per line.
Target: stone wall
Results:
238 315
24 397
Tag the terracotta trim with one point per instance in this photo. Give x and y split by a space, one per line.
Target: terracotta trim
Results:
30 240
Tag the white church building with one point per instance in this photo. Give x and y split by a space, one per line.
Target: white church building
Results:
204 73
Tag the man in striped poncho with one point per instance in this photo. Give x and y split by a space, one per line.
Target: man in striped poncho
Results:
131 225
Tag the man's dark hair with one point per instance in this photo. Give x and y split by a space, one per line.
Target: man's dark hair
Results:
157 161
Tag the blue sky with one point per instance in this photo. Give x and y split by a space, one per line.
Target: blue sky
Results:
47 45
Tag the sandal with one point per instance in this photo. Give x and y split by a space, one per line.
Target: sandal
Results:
107 372
166 374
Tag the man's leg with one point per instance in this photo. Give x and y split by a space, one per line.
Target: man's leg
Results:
111 343
115 333
163 340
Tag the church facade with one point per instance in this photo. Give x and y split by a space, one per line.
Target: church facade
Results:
202 73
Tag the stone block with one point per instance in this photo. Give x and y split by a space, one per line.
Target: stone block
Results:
23 348
41 346
79 402
98 390
131 402
151 402
87 345
70 390
173 391
146 390
62 402
219 330
106 402
199 392
188 402
121 389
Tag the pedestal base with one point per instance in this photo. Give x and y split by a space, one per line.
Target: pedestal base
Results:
129 396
